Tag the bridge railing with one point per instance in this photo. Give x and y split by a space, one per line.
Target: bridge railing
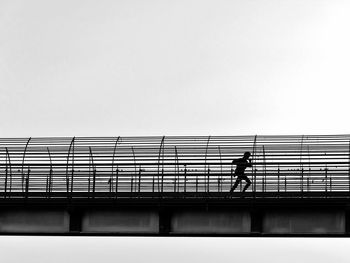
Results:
172 165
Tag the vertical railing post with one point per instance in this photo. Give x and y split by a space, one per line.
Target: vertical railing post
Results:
93 172
177 172
131 184
89 186
205 165
161 147
6 180
162 186
110 185
301 165
139 190
231 178
285 183
24 155
47 185
135 168
218 185
349 166
326 176
309 172
113 161
67 166
72 175
27 184
50 180
254 181
185 178
220 160
50 174
208 180
253 165
278 179
302 180
94 182
116 182
264 159
6 172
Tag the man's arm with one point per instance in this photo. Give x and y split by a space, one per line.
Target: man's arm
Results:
249 163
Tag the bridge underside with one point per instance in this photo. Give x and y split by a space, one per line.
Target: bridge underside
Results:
175 214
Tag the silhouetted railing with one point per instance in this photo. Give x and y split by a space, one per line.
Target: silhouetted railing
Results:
113 166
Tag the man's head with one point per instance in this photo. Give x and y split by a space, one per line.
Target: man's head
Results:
246 155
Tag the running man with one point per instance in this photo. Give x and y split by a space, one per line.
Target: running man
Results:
241 165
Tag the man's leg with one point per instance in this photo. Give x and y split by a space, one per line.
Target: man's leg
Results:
238 180
248 183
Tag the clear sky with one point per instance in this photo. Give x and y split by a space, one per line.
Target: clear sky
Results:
158 67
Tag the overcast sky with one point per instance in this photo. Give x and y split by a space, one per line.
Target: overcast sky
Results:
173 250
133 67
157 67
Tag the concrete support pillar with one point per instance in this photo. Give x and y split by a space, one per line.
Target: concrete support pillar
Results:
256 219
347 220
164 222
75 221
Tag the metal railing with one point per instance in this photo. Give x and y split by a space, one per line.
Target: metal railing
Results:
165 165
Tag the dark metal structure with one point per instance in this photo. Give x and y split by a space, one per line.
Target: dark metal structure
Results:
175 185
171 165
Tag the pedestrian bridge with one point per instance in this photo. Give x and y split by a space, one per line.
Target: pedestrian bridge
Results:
175 185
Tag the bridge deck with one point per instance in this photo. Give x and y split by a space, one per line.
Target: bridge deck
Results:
175 195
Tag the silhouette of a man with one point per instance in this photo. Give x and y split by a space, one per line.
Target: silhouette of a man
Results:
241 165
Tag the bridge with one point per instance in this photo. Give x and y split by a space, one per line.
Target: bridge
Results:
175 186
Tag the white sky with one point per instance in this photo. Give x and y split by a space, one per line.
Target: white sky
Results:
157 67
172 250
133 67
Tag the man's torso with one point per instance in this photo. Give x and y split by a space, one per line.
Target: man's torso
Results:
242 164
